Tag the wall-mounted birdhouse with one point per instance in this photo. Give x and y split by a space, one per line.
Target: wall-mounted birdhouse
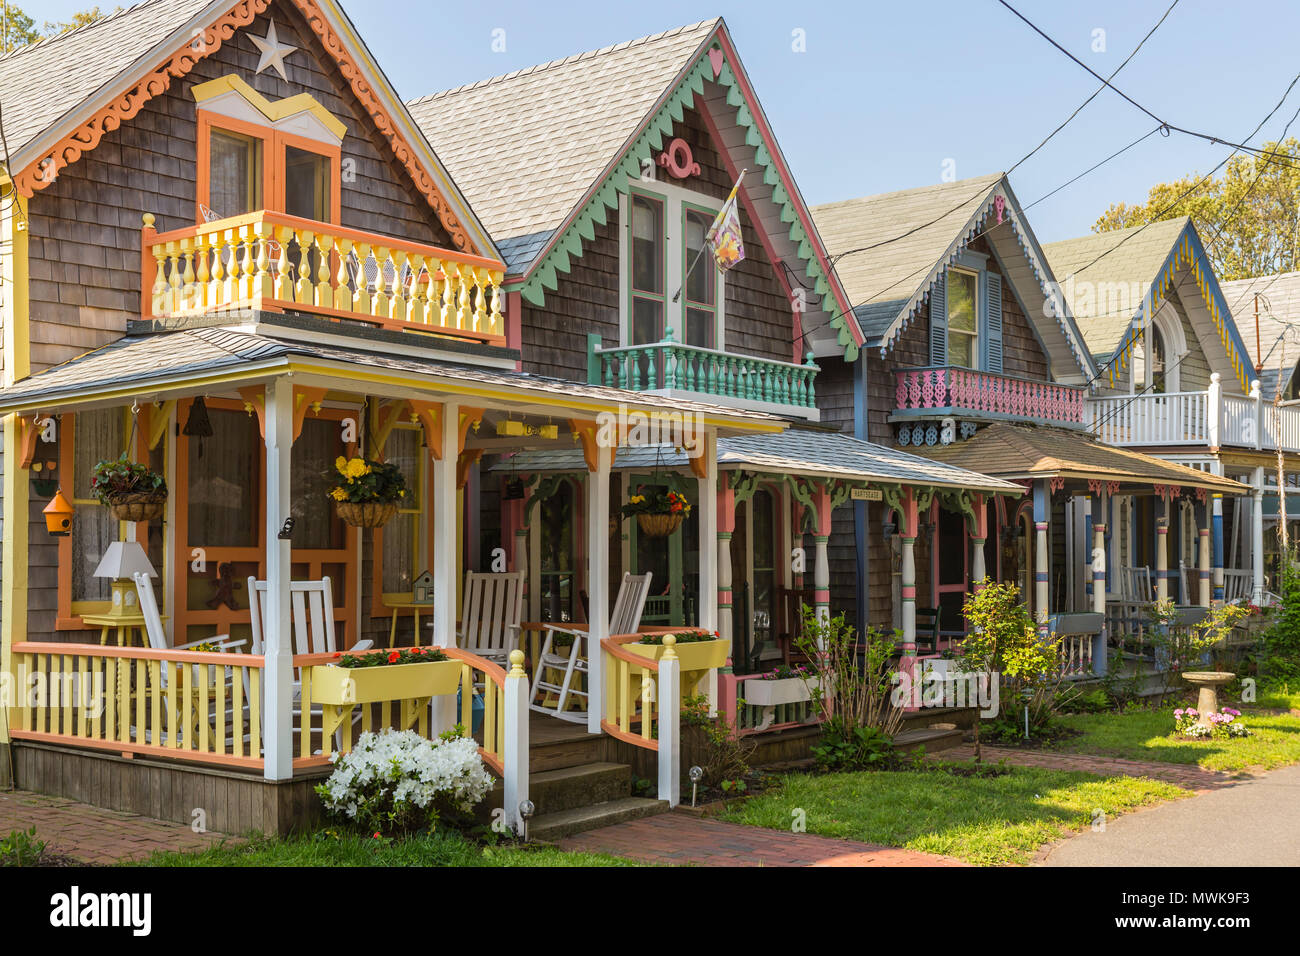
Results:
58 515
422 589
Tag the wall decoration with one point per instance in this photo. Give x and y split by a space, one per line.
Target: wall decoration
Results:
677 159
272 50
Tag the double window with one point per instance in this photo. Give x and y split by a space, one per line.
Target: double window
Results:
671 279
963 318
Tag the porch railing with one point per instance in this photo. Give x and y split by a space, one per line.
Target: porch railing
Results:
942 390
669 365
1208 418
267 260
642 705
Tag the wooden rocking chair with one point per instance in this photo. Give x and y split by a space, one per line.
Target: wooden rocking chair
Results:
491 608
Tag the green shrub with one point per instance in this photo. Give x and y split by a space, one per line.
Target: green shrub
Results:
844 747
21 848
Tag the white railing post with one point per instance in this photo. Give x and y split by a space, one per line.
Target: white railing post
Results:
1257 535
515 756
442 709
1259 413
668 700
277 723
597 581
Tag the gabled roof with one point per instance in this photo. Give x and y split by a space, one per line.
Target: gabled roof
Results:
1278 346
563 138
890 248
61 95
1111 295
1014 451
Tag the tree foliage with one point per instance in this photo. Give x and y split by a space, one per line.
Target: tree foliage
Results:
1255 201
18 29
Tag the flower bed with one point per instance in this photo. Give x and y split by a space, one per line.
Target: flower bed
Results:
1188 723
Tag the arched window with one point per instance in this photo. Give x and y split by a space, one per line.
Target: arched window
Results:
1159 360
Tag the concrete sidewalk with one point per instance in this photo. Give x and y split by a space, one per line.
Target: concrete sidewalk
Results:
1254 823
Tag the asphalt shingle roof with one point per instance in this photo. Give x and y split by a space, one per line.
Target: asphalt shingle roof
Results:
526 146
880 280
1279 306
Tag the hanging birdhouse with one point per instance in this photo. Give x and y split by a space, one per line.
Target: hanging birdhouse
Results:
58 515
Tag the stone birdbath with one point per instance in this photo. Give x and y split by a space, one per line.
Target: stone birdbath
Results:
1208 683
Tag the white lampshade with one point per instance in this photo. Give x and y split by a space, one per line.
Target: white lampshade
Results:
123 559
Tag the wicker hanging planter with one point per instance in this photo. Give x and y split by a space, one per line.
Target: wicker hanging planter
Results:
141 506
658 526
368 514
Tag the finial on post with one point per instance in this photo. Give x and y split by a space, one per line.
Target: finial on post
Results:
517 664
670 642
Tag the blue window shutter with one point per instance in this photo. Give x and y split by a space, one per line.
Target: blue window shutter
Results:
992 322
939 321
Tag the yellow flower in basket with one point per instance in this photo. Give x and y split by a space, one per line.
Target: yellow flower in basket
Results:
357 467
341 465
338 494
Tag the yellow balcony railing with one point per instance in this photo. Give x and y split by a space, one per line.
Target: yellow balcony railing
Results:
278 263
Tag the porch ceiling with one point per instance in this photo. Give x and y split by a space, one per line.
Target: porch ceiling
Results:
204 360
1023 451
796 452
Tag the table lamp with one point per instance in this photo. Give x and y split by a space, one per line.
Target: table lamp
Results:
120 561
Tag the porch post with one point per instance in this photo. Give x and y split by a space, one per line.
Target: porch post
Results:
1162 546
1042 512
726 528
908 582
707 497
1216 532
597 581
822 564
1257 539
1099 554
13 597
277 724
979 535
1203 550
445 552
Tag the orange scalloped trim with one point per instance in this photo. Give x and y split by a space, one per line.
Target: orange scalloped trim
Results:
401 149
43 171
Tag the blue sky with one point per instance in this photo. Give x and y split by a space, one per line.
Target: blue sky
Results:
887 91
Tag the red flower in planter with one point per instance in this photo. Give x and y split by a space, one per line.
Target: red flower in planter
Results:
338 653
393 656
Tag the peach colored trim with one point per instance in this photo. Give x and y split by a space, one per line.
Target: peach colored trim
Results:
636 740
207 122
430 415
67 649
197 756
615 650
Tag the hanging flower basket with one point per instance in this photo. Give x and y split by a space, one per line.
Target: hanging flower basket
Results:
141 506
368 492
658 526
369 514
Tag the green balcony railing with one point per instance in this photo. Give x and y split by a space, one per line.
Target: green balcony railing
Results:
671 366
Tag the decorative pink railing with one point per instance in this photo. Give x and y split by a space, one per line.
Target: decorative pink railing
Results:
966 390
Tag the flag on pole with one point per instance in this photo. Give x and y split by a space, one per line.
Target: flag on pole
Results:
724 236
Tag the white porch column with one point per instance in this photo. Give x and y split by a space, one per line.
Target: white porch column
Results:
1257 539
597 582
707 598
444 553
1203 555
1099 554
908 584
277 676
1162 547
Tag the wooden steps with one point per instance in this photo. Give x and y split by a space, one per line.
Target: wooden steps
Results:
550 827
933 739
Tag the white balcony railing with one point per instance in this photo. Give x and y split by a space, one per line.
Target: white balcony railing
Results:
1205 419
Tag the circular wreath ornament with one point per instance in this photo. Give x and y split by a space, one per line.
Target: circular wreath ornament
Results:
367 493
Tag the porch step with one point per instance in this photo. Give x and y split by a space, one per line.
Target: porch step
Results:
550 827
932 739
567 788
963 718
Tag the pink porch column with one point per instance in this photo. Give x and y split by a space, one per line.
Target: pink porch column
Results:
726 528
822 566
979 535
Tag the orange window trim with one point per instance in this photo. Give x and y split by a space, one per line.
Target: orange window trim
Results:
378 608
274 144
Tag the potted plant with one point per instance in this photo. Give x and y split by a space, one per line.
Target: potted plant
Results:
659 511
405 674
697 652
781 685
368 492
131 491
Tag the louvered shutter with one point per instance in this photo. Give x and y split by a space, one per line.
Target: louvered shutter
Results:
992 322
939 321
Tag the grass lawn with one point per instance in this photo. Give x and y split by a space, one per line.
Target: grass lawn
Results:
337 848
983 820
1145 735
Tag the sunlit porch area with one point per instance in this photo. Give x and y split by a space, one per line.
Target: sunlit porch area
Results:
199 639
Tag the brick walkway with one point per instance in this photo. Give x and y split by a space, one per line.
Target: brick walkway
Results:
92 835
1188 776
686 839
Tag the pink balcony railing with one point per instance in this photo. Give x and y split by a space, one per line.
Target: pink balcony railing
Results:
948 390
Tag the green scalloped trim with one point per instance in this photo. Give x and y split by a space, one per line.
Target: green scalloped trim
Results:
582 229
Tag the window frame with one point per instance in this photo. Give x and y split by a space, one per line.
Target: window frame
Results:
275 144
687 303
633 294
976 363
380 607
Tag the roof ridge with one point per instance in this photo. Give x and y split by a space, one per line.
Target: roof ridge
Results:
1118 233
586 55
913 189
54 38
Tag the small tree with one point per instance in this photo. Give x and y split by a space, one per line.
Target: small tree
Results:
1183 647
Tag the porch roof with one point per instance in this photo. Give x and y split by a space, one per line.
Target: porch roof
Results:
794 452
1024 451
183 361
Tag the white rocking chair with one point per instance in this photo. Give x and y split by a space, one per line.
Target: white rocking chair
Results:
624 619
492 606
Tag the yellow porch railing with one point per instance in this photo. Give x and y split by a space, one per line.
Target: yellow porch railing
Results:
274 262
189 705
630 701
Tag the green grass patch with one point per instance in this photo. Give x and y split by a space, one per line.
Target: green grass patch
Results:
339 848
1146 735
983 820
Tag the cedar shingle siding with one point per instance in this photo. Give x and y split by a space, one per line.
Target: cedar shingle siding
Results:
85 227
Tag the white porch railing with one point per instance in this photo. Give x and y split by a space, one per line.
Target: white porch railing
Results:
1208 419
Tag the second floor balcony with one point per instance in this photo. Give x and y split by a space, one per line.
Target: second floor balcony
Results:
710 375
1208 419
278 263
944 391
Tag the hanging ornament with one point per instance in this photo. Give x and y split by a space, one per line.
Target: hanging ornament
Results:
198 426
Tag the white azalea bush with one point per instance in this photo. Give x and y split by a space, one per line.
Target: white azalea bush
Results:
396 781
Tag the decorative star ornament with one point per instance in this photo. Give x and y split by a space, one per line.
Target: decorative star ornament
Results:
273 52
